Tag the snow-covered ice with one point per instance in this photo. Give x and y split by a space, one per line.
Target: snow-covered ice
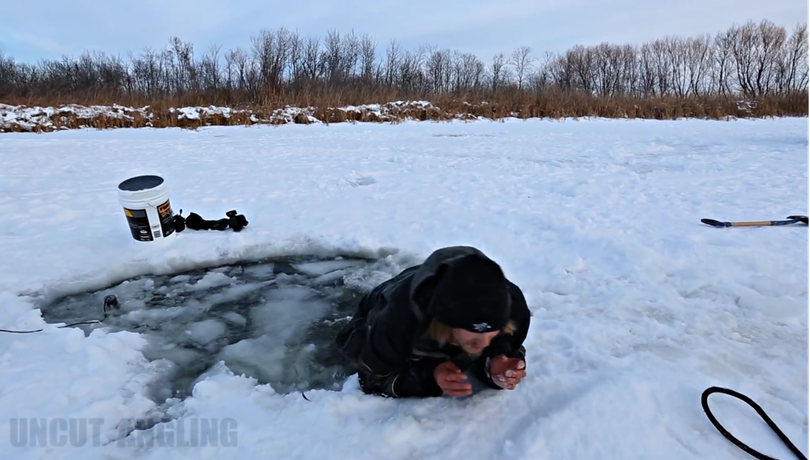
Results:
638 307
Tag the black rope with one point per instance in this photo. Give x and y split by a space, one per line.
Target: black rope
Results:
95 321
704 400
110 304
299 376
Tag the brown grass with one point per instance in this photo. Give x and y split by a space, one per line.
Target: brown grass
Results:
555 105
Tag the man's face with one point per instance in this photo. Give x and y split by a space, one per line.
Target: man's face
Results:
472 342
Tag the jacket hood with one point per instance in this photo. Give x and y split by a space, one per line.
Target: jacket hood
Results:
435 263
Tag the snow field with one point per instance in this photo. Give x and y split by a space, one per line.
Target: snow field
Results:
638 307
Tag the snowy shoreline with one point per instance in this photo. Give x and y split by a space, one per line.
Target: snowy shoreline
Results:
21 118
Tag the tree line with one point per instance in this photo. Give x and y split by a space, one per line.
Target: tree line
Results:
747 61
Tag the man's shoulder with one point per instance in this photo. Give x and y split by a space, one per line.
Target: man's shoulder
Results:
516 292
520 308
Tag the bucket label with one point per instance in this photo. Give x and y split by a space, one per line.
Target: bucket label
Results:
166 222
138 224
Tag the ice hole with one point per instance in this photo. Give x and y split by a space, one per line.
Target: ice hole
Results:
274 320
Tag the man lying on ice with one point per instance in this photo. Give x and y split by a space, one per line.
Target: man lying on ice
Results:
449 326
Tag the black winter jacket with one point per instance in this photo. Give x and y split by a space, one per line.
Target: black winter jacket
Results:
385 336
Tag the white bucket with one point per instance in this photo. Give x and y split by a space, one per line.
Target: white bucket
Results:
146 206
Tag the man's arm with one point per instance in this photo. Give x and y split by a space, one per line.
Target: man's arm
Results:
385 365
413 381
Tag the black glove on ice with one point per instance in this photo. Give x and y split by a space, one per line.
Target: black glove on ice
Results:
195 222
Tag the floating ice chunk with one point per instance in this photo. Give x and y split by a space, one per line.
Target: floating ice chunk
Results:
133 305
235 318
219 368
155 314
211 280
205 332
159 348
322 268
195 308
148 284
237 292
176 291
329 277
260 271
180 279
287 310
365 280
262 358
268 360
291 280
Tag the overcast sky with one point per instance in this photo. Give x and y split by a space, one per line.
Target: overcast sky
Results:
484 27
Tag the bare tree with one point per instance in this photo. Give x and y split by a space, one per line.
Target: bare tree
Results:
580 65
392 57
722 63
439 70
521 61
795 61
497 71
558 71
752 60
698 61
312 66
770 40
744 40
367 59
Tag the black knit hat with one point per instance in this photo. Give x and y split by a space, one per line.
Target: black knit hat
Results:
472 295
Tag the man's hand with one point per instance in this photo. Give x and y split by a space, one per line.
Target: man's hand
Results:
451 380
506 372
